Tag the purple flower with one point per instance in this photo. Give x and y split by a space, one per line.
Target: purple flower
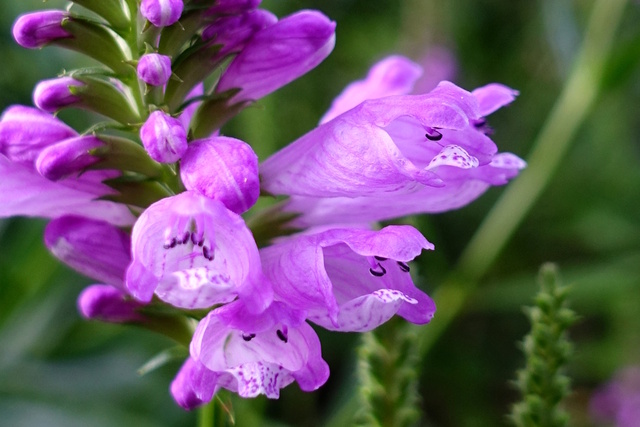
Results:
194 253
350 279
163 137
279 54
222 168
92 247
25 131
154 69
187 114
68 157
108 304
423 153
394 75
251 354
54 94
233 7
36 29
161 13
233 32
618 402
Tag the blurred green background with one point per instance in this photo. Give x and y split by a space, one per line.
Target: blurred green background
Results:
58 370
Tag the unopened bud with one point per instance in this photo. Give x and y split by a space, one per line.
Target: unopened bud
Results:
163 137
154 69
108 304
36 29
68 157
161 13
53 94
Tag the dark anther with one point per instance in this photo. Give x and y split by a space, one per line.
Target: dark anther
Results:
282 336
404 267
207 253
196 241
479 123
379 258
378 273
248 337
433 135
170 244
185 237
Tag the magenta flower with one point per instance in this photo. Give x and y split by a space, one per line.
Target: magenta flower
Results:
25 131
67 157
233 7
350 279
233 32
34 30
164 137
222 168
424 153
617 403
161 13
53 94
187 114
251 354
154 69
92 247
192 252
279 54
108 304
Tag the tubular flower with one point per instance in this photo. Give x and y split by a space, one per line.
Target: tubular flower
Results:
34 30
234 32
194 253
94 248
53 94
350 279
424 153
251 354
222 168
279 54
67 157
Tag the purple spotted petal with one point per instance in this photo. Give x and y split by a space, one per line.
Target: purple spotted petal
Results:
94 248
23 191
222 168
34 30
25 131
279 54
108 304
350 279
259 354
194 253
394 75
54 94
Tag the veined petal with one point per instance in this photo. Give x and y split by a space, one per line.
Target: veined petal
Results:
266 355
194 253
338 274
25 192
394 75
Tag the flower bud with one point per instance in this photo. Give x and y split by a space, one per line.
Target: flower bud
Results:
25 131
36 29
221 168
53 94
233 32
154 69
163 137
92 247
279 54
106 303
67 157
161 13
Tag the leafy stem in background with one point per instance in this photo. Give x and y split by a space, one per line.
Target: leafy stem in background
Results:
541 383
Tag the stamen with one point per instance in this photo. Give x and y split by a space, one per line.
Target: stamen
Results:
379 258
248 337
170 243
185 237
378 273
433 135
282 336
208 253
404 267
197 240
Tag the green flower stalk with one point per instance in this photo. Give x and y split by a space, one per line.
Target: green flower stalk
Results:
542 382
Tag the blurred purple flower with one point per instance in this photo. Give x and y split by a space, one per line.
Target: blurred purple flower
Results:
53 94
618 402
279 54
350 279
232 7
192 252
222 168
164 137
34 30
161 13
154 69
108 304
250 354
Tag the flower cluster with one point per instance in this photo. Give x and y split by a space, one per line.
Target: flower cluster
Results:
148 202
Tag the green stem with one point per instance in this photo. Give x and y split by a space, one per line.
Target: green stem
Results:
206 414
550 147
